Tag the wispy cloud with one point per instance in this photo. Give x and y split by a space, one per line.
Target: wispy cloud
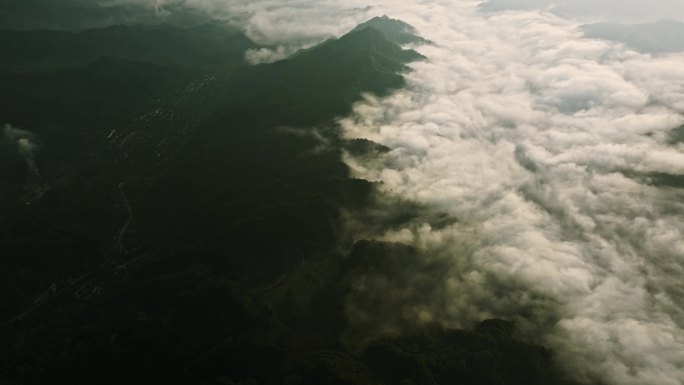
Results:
531 136
25 144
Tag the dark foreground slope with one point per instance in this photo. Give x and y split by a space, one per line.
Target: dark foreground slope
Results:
185 228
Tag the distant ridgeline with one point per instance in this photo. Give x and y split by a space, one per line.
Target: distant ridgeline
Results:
183 221
660 37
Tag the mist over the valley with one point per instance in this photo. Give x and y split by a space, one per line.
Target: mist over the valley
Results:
541 144
25 144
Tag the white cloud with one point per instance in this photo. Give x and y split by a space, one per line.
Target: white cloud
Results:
26 146
267 55
531 136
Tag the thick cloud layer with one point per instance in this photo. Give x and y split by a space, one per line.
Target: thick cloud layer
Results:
541 144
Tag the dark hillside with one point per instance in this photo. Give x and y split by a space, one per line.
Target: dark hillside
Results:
178 220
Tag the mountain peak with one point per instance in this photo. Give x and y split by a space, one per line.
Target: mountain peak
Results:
394 30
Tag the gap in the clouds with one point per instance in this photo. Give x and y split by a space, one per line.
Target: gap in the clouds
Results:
662 37
677 135
661 179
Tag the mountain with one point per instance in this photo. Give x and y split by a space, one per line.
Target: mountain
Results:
148 160
394 30
75 91
186 222
660 37
253 149
361 61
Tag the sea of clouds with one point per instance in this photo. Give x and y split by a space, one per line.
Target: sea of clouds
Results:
541 143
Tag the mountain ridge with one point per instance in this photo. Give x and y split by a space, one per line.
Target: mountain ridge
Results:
396 31
193 229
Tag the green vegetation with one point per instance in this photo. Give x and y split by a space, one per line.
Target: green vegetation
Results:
190 228
315 85
207 47
677 135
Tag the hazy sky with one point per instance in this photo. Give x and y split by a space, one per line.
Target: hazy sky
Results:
630 11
